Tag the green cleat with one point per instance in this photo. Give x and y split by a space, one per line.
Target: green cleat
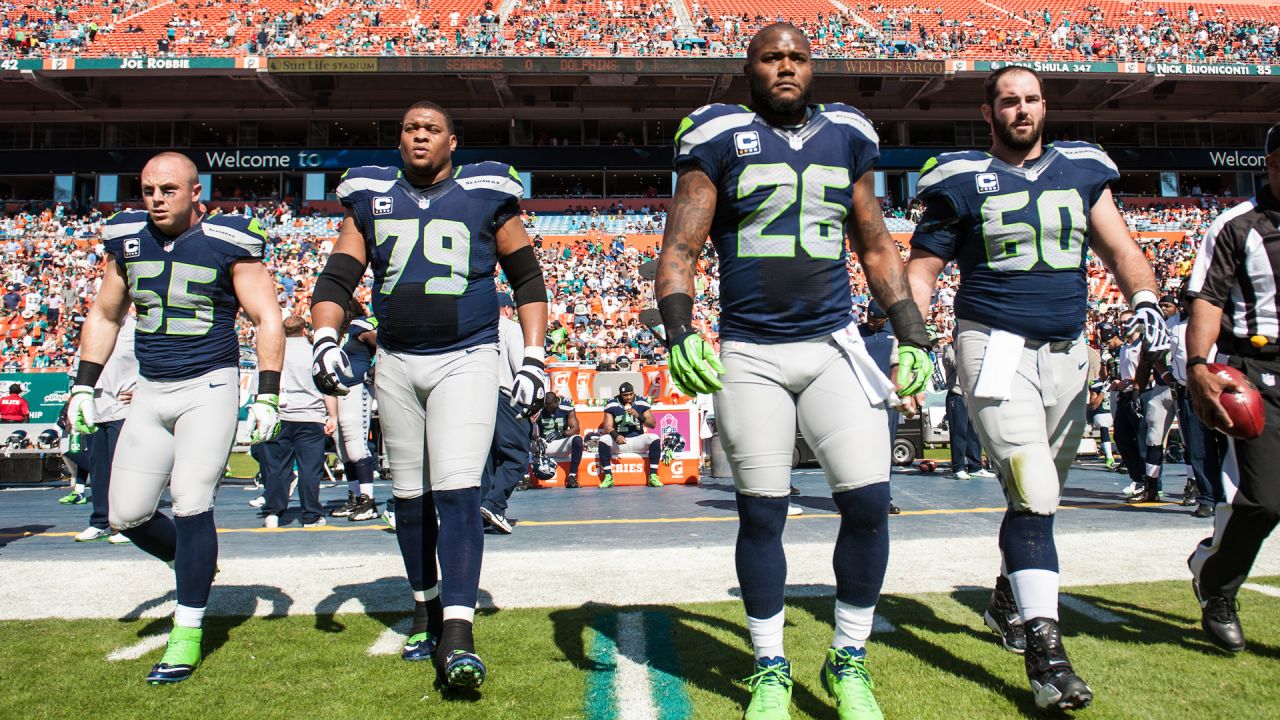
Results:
73 498
845 678
180 657
770 690
654 481
606 482
1111 464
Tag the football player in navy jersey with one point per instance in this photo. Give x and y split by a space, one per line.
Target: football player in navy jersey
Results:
557 425
355 411
779 186
188 274
433 235
1019 220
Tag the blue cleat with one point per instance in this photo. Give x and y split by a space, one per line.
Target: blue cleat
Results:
463 670
419 647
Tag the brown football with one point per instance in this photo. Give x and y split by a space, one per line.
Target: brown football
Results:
1243 407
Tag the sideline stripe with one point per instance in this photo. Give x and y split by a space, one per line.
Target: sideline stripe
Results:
625 521
1093 612
138 649
631 679
391 639
1271 590
664 669
598 702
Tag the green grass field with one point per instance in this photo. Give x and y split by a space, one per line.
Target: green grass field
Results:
939 662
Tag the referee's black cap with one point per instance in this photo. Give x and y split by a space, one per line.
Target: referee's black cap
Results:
1273 139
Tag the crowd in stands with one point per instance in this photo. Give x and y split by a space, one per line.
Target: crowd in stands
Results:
1132 30
53 265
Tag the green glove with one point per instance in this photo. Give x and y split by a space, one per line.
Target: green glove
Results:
694 365
914 370
264 418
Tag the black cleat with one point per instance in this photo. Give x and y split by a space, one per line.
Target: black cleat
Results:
1055 684
1204 511
571 481
365 509
1003 618
1220 620
1146 494
347 507
1189 493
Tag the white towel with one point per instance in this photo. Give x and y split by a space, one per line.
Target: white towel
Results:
878 388
999 365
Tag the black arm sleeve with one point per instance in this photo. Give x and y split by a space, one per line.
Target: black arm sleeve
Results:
525 276
677 316
338 280
908 326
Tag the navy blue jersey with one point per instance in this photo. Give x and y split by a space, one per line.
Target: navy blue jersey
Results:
359 353
623 422
1019 234
182 289
783 195
551 425
433 252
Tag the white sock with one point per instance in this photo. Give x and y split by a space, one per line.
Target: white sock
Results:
460 612
188 617
1106 448
1036 592
766 635
366 489
80 488
853 625
430 593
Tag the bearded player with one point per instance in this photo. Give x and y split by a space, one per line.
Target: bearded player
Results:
778 186
1019 220
433 235
188 274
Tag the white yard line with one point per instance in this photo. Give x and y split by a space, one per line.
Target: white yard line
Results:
138 649
1264 589
565 578
1093 612
631 678
391 639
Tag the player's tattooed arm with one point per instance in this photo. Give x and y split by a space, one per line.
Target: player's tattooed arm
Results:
881 260
688 224
1110 239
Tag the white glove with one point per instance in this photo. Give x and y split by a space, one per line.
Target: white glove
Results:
80 411
329 363
1149 321
264 418
530 384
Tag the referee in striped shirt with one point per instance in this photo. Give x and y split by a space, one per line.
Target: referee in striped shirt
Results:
1234 303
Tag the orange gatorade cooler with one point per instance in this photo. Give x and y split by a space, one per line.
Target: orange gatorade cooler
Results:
560 379
584 385
652 380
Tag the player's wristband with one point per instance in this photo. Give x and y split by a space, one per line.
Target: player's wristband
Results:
324 333
88 373
676 310
1143 297
1192 362
908 325
269 382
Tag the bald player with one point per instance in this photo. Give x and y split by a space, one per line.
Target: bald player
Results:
188 274
779 186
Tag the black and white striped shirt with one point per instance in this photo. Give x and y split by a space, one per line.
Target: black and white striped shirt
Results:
1236 269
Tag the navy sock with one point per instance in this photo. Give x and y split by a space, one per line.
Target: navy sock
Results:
197 558
862 545
655 455
760 560
416 533
460 557
156 537
1026 541
575 454
364 470
606 459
